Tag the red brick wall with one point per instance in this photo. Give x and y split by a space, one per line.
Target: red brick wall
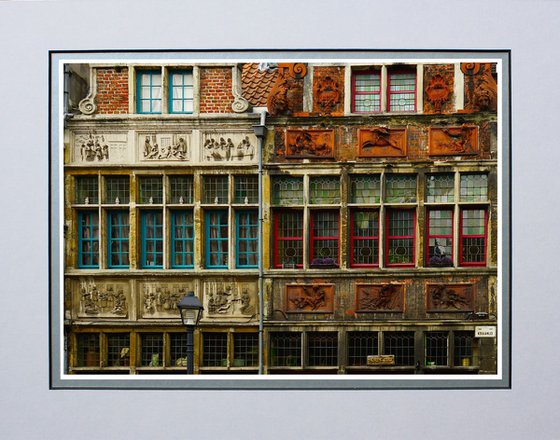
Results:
215 90
112 91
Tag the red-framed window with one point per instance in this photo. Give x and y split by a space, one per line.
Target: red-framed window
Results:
400 234
324 238
401 89
288 239
473 236
439 237
366 91
364 238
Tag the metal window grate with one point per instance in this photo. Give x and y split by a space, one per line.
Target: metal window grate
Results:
360 346
324 239
87 189
214 350
463 355
436 348
287 190
322 349
366 92
180 189
440 188
118 350
88 353
324 190
288 240
285 349
365 238
152 349
440 237
246 189
474 187
400 188
182 239
365 189
117 190
215 189
151 190
401 345
178 349
245 349
402 91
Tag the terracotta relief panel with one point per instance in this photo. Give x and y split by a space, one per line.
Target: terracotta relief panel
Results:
164 146
230 300
231 148
438 88
450 297
100 299
94 147
382 142
159 300
308 144
310 298
380 298
286 97
453 141
328 90
481 90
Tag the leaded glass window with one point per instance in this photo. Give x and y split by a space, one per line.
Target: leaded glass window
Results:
88 351
440 188
117 190
287 190
151 349
285 349
400 237
400 345
436 348
322 348
474 187
288 239
402 90
151 190
245 349
324 238
463 354
365 189
180 189
181 95
324 190
440 237
178 349
87 190
246 189
473 237
215 189
364 238
366 91
360 346
149 91
118 349
214 349
400 188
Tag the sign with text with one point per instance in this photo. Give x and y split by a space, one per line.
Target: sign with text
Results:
386 359
485 331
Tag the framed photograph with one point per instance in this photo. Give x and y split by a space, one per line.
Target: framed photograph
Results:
334 219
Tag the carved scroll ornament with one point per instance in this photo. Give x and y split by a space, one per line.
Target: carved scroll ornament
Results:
380 298
450 298
456 141
382 142
481 90
311 144
310 298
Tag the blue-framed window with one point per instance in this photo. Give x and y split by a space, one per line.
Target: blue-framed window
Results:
88 239
182 239
118 239
247 240
217 239
181 96
148 91
152 239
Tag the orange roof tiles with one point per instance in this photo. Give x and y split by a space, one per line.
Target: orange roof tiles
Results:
256 84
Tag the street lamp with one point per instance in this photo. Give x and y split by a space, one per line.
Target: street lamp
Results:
190 309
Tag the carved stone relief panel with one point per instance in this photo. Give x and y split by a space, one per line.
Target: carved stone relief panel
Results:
228 147
159 300
102 299
450 297
328 90
286 97
310 298
164 146
382 142
380 297
230 299
438 88
308 144
93 147
453 141
481 90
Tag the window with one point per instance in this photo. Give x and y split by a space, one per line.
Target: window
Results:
472 240
322 349
152 239
247 239
401 345
436 348
180 189
364 238
181 95
215 190
151 351
148 91
151 190
88 351
366 91
118 225
463 351
402 90
365 189
360 346
88 239
182 239
214 349
178 349
324 190
87 190
440 188
117 190
287 190
400 248
230 350
118 350
217 233
285 349
400 188
246 190
324 241
439 251
288 239
245 349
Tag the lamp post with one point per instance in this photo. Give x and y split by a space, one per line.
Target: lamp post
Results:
190 309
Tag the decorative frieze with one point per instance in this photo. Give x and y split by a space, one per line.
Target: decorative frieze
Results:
229 299
382 142
227 147
98 148
453 141
164 146
481 90
310 298
380 298
102 300
308 144
159 300
450 297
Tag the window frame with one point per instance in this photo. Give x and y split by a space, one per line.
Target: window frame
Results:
81 239
354 238
238 238
277 238
139 97
388 237
144 240
110 214
313 238
399 70
354 93
219 239
429 236
174 213
183 87
484 236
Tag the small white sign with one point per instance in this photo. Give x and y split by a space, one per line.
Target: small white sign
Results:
485 331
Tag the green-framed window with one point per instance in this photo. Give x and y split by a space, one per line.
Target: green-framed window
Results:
181 96
182 239
152 239
247 245
118 239
88 239
148 91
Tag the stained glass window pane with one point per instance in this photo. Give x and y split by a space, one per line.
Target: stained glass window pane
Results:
246 189
400 188
402 91
287 190
324 190
474 187
180 189
151 190
365 189
215 189
117 190
365 238
289 239
440 188
87 189
366 93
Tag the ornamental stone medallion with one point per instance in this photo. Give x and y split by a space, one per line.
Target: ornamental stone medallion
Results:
230 300
98 299
159 300
228 148
94 147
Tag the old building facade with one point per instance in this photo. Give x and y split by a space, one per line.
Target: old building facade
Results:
379 217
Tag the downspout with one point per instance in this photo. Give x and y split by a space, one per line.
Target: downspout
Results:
260 133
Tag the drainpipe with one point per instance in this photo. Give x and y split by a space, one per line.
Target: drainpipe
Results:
260 133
